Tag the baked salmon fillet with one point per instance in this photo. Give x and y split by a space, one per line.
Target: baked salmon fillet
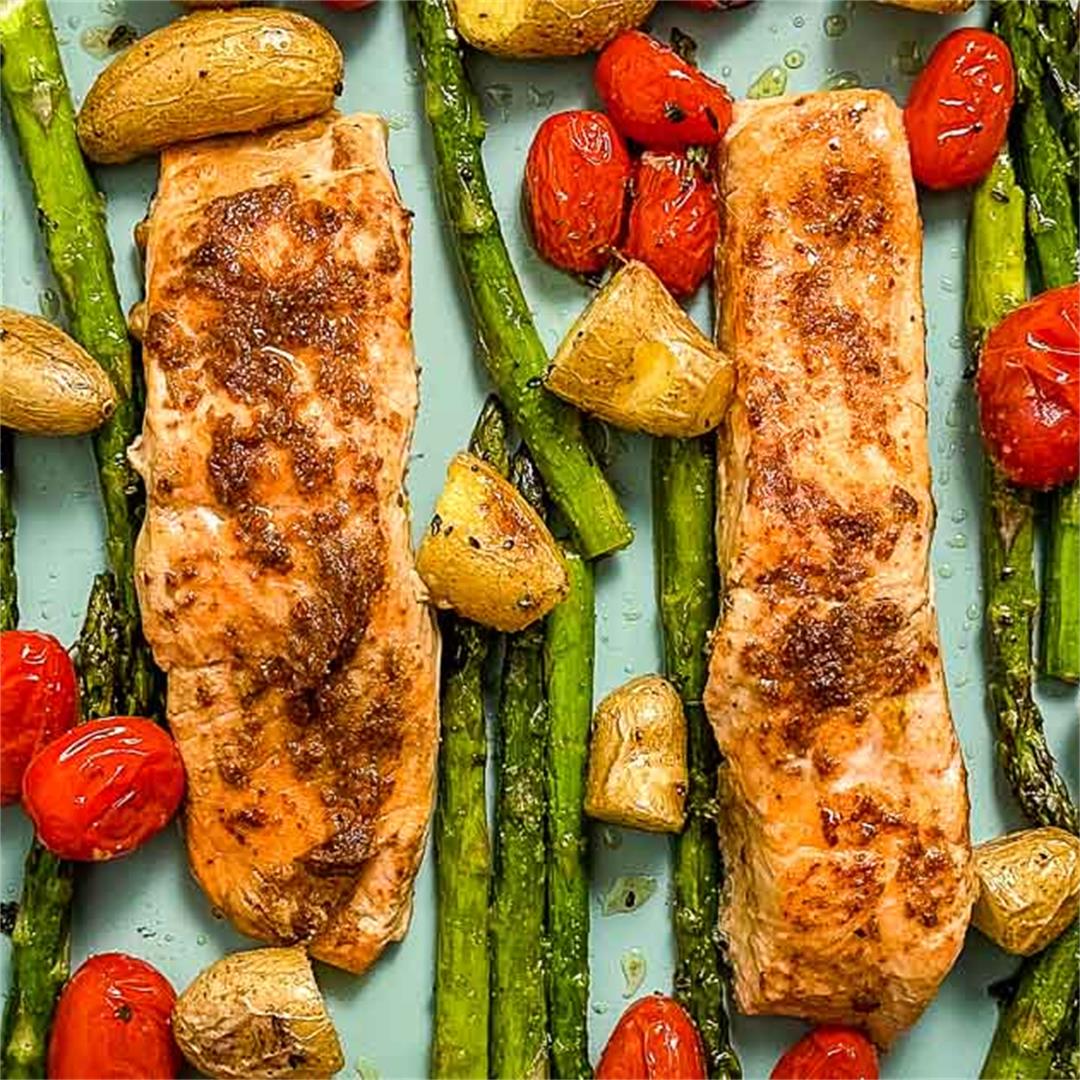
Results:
844 821
274 567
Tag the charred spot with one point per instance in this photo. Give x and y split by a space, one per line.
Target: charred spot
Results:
234 462
256 530
905 505
342 854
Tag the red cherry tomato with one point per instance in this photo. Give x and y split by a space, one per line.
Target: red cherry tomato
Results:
1029 390
113 1021
674 220
37 702
959 108
655 1037
656 98
576 177
104 788
829 1053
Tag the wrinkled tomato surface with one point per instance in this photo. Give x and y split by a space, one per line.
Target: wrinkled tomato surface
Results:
674 220
113 1020
38 701
103 788
1029 390
656 98
958 109
654 1038
576 177
829 1053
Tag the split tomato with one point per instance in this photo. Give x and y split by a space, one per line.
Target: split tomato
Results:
576 177
104 788
656 98
654 1038
958 110
829 1053
38 701
674 220
113 1020
1029 390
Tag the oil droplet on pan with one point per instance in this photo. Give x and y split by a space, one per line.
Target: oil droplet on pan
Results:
794 59
772 82
835 25
842 80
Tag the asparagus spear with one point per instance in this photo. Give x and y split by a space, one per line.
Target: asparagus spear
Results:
518 992
41 940
683 523
459 1045
511 348
1031 1025
995 285
1057 41
72 216
1044 168
569 648
9 598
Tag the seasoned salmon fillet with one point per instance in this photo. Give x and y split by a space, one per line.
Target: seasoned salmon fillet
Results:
844 821
274 567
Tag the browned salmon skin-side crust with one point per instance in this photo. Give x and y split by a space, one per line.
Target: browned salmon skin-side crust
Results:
274 567
844 817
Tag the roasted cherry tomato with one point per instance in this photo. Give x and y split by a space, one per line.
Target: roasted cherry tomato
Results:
113 1020
674 220
655 1037
38 701
656 98
1029 390
104 788
576 177
829 1053
959 108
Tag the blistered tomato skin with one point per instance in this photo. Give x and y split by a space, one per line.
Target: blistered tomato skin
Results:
656 98
576 177
113 1020
38 701
958 111
104 788
674 221
1029 390
654 1038
829 1053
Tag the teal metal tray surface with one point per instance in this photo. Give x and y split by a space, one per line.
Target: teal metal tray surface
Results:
149 904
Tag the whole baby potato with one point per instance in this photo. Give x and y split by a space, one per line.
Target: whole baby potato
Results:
211 72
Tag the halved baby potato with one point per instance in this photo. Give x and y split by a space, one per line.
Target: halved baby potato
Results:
636 359
487 554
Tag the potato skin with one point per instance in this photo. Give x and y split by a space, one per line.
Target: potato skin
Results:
1029 888
257 1014
210 72
636 359
525 28
49 384
637 757
487 553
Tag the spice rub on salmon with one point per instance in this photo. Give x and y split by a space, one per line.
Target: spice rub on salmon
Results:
845 808
274 567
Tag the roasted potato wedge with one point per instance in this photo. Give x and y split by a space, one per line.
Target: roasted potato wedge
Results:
487 553
635 359
257 1014
939 7
209 73
1029 888
49 384
637 757
546 27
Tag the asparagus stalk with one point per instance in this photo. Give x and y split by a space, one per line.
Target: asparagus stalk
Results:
72 216
1044 167
459 1045
569 648
518 991
1057 39
683 522
1031 1025
509 343
996 278
9 591
41 939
